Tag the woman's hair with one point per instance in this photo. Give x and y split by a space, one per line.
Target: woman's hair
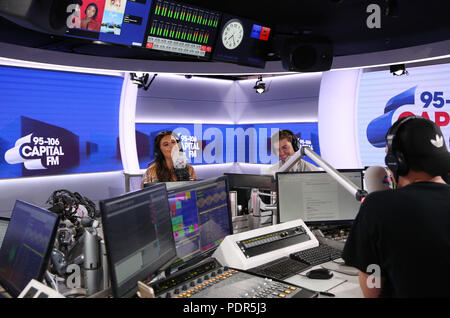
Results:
96 9
162 171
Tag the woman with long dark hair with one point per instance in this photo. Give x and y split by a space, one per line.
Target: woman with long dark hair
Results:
90 22
162 168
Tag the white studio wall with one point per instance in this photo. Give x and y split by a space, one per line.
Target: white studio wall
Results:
288 98
338 118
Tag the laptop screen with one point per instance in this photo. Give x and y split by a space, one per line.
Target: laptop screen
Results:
315 197
26 247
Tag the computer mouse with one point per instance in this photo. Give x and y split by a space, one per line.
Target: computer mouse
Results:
320 273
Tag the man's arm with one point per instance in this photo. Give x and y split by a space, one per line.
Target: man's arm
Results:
369 291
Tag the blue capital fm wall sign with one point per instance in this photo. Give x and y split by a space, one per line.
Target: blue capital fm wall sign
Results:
58 122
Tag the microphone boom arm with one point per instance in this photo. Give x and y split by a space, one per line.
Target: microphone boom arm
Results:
359 194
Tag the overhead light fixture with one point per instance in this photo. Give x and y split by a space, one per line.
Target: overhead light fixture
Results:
260 86
398 69
142 79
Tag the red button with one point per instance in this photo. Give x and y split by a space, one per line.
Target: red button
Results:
265 32
150 45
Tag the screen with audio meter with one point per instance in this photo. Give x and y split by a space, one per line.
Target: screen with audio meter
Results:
200 217
178 28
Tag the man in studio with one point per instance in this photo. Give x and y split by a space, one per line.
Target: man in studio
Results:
400 239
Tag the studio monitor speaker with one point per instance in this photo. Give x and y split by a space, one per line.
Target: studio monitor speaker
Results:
307 54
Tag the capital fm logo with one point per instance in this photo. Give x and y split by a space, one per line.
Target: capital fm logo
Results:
35 153
432 105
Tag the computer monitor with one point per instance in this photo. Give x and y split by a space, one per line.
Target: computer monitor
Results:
316 198
201 218
3 226
169 184
244 183
248 181
27 246
138 237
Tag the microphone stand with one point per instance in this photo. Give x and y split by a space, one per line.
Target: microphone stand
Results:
359 194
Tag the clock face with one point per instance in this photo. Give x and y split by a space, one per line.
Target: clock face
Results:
232 34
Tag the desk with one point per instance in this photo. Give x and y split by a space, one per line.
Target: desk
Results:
349 288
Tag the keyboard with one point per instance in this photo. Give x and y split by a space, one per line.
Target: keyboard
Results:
317 255
280 268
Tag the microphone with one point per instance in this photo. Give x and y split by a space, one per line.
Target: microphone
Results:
91 264
179 166
377 178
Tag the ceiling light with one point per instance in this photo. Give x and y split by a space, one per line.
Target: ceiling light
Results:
260 86
398 69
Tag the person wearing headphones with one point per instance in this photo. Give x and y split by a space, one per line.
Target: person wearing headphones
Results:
285 144
400 239
162 168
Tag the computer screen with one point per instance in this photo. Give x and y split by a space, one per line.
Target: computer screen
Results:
181 28
138 237
162 25
243 184
169 184
121 22
315 197
26 247
201 217
249 181
3 226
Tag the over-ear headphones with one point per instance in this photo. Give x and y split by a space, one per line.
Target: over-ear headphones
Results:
156 143
395 159
66 203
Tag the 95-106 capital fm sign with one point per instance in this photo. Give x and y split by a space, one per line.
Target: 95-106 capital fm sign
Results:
44 148
383 99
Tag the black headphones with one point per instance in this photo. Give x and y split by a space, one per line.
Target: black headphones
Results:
156 148
66 203
395 159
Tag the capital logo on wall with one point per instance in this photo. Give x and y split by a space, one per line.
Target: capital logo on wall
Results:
43 149
383 99
432 105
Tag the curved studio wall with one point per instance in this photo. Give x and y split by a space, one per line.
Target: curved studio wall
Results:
214 105
356 108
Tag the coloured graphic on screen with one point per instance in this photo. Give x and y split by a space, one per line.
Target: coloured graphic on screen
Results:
58 122
210 144
114 21
384 98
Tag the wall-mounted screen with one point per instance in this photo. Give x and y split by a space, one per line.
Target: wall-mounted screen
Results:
242 41
179 28
384 98
113 21
58 122
209 144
